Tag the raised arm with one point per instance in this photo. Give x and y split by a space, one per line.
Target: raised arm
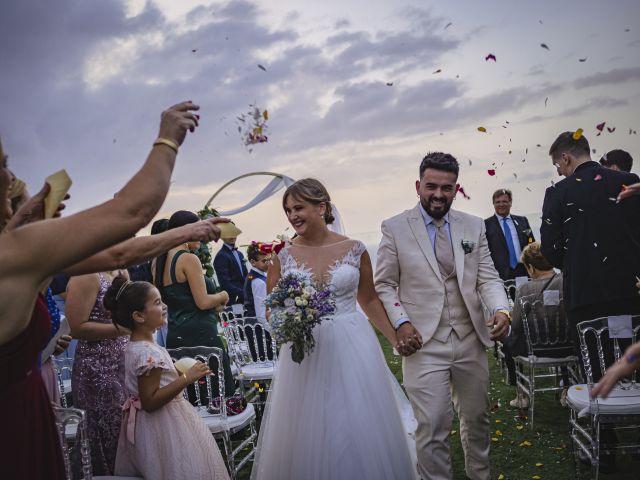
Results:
31 254
50 246
141 249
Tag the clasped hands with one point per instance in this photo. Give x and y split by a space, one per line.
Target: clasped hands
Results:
408 339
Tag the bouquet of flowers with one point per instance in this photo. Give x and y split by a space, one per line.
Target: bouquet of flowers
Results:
297 307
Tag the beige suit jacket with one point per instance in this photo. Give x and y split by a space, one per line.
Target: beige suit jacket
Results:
408 279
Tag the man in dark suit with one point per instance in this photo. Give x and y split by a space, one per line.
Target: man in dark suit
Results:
231 270
590 236
507 236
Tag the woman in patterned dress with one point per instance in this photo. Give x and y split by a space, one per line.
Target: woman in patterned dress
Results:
97 381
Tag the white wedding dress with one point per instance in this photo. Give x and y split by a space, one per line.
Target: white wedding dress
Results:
340 414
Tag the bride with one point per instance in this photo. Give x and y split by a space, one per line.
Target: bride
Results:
336 415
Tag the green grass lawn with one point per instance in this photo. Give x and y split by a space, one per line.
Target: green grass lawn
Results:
517 451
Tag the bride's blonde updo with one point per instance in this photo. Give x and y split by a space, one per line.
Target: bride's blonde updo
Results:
312 191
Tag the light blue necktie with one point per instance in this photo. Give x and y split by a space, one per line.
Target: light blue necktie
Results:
513 258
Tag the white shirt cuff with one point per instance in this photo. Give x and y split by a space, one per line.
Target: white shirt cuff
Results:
400 321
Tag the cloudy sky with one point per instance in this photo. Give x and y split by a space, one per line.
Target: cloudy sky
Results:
83 84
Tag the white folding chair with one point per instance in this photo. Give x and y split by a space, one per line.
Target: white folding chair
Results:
619 413
74 440
510 290
549 349
63 367
213 409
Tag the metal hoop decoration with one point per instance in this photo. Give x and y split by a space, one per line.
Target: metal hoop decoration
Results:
122 289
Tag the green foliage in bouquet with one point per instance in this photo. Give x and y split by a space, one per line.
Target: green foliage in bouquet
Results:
204 253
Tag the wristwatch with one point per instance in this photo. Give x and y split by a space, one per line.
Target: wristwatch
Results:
506 312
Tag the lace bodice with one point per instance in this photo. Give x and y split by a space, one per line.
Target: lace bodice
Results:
337 265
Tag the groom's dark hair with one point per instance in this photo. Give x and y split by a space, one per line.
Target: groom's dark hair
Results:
439 161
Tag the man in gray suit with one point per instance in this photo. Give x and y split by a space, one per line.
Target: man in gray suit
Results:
434 273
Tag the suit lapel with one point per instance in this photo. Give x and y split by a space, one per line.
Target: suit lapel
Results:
456 227
416 223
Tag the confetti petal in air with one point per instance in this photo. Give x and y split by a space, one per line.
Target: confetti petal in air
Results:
448 25
582 59
577 134
262 68
194 50
482 129
545 46
597 177
491 172
600 126
491 56
389 84
611 129
460 189
253 125
545 101
437 71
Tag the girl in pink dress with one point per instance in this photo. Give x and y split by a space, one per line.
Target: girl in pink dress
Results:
162 435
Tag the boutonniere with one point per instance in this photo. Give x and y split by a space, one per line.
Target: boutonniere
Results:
468 246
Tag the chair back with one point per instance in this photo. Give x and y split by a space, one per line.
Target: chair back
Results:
237 342
510 290
212 356
262 346
62 366
74 417
600 348
546 327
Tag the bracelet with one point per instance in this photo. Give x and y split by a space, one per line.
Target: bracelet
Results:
165 141
184 375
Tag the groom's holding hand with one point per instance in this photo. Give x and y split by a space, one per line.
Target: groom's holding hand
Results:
434 273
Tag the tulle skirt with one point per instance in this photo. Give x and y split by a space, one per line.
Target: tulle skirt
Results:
170 443
338 414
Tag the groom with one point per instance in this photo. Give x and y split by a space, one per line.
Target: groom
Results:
434 273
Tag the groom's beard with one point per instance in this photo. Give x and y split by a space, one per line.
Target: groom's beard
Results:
438 213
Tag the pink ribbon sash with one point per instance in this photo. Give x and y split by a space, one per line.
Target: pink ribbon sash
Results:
130 408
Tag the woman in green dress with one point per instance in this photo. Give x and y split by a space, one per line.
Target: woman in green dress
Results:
191 299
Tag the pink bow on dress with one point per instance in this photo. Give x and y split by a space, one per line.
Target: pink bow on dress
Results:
130 408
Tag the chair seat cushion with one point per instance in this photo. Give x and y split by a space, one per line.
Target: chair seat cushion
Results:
619 401
547 360
216 424
257 371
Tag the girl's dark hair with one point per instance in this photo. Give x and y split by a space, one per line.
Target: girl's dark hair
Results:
131 299
178 219
159 226
312 191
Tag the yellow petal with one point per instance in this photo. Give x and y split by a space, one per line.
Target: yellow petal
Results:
501 477
577 134
482 129
265 115
494 439
539 464
536 477
498 421
519 427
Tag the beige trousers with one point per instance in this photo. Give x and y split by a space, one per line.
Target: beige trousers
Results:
442 376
